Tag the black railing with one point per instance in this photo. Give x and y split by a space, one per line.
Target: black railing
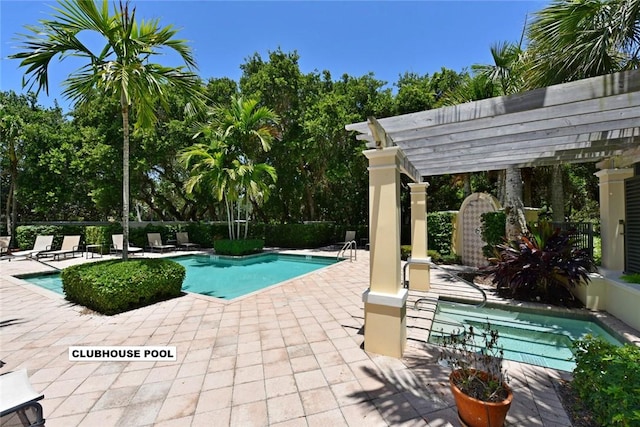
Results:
583 236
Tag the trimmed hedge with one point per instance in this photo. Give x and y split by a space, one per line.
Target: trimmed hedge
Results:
493 226
297 236
607 378
114 286
440 232
238 247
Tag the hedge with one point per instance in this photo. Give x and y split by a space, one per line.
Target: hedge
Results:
114 286
238 247
294 235
440 232
492 229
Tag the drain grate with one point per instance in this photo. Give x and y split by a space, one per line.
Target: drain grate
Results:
534 360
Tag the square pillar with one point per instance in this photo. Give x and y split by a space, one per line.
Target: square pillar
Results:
385 301
612 211
419 272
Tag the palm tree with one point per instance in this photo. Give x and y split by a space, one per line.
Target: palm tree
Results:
122 68
576 39
236 135
11 131
507 73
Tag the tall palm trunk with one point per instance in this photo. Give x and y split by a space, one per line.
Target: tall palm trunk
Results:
516 222
557 194
125 178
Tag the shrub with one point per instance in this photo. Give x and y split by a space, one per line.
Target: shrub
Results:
631 278
492 230
238 247
311 235
543 266
606 378
440 232
114 286
101 235
405 252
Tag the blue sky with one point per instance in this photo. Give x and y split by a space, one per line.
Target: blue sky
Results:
387 38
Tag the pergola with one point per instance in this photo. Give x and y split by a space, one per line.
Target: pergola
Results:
591 120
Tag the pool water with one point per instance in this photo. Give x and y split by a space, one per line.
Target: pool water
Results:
537 339
226 278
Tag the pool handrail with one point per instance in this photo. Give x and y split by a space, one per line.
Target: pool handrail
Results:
405 283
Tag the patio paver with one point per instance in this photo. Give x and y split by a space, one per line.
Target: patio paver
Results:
290 355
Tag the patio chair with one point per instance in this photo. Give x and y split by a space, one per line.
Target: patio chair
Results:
117 245
4 244
70 245
155 243
41 246
182 240
19 401
349 236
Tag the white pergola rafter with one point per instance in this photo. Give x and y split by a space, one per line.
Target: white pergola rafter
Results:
582 121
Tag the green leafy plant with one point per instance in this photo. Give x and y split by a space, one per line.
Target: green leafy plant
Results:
541 266
440 231
607 379
476 358
492 231
114 286
238 247
631 278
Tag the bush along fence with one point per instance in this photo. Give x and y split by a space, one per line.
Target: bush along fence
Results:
295 236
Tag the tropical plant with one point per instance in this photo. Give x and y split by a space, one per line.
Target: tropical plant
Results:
576 39
541 266
122 68
225 166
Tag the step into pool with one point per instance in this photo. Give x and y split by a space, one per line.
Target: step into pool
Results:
226 277
535 338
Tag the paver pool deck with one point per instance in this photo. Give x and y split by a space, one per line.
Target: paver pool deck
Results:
290 355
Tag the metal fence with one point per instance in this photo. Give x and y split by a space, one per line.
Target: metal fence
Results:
583 233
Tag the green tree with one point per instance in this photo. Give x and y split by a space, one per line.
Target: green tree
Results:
121 68
11 140
225 165
576 39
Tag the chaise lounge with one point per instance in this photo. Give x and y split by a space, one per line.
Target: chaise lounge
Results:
19 401
42 245
117 245
155 243
182 240
70 245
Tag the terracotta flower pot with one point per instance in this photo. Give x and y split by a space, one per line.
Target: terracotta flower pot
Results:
477 413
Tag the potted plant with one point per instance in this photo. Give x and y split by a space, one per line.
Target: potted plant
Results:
478 382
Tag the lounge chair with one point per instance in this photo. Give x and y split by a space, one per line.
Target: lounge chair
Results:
155 243
40 247
4 244
349 236
70 245
19 401
182 240
117 245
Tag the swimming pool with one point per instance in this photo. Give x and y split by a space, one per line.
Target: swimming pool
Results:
224 277
533 338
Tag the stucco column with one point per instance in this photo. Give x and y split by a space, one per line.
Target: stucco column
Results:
385 302
419 272
611 213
